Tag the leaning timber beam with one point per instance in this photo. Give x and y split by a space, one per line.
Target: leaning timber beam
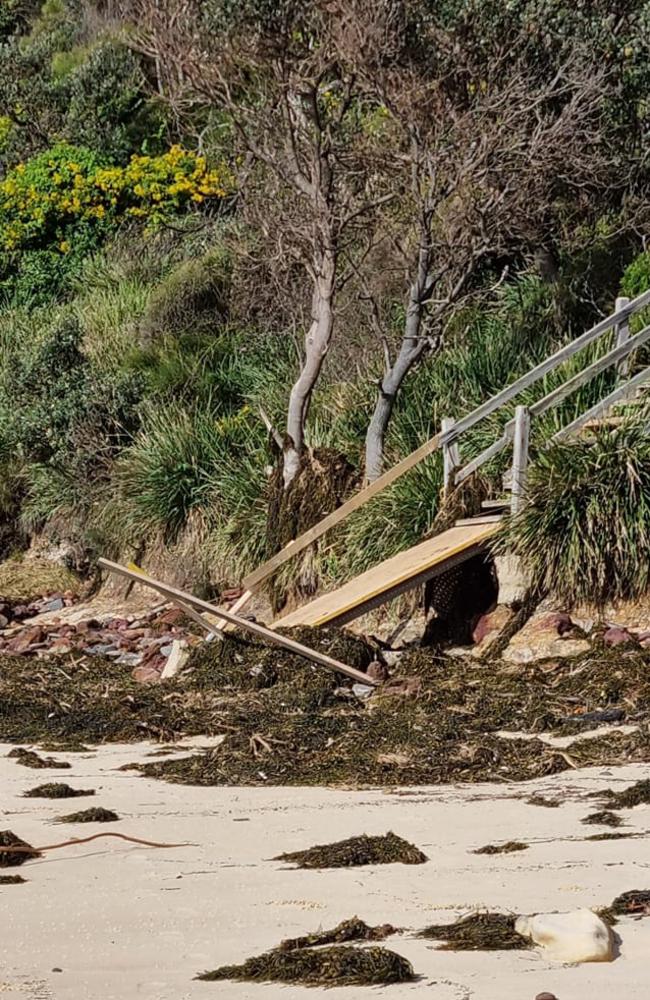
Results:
183 599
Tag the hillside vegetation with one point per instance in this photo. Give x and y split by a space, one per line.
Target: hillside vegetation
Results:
252 253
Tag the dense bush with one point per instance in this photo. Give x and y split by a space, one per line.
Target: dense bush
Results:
584 532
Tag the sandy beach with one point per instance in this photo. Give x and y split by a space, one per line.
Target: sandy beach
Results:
125 921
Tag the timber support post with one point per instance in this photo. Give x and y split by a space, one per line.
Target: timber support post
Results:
623 335
450 456
520 456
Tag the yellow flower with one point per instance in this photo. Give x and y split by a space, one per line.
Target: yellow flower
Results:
64 246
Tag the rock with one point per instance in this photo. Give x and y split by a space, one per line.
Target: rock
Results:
377 671
175 660
540 639
579 936
489 627
4 621
56 604
146 675
546 996
615 636
173 616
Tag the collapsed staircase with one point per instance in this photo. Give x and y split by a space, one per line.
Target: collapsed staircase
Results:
420 563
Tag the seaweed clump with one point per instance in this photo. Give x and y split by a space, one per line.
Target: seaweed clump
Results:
634 903
57 790
508 848
336 966
478 932
357 851
610 836
353 929
12 880
92 815
603 818
11 859
635 795
28 758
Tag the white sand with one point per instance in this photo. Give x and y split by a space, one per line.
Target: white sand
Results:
125 922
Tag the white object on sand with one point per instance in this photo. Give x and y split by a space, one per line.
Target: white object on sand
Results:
579 936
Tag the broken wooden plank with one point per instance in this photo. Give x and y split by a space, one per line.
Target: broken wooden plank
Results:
393 576
181 598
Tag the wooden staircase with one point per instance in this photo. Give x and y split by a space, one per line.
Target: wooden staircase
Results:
418 564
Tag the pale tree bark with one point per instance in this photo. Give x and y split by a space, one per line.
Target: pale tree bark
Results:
414 345
317 341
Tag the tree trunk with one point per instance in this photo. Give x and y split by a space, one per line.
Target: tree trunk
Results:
412 348
317 342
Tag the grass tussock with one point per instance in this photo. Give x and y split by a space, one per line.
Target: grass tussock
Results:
22 580
584 532
356 852
57 790
478 932
336 966
353 929
93 815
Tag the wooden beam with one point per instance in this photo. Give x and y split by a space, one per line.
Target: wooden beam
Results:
181 598
622 335
520 457
263 572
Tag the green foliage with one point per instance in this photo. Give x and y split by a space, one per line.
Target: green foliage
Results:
65 201
584 532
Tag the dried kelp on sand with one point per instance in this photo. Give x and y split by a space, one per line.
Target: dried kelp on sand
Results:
357 851
336 966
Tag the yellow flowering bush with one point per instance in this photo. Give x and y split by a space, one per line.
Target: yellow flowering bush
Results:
66 192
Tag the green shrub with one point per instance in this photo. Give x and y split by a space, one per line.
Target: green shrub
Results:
584 532
192 298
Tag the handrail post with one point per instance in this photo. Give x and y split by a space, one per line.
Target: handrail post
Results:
450 456
623 335
519 457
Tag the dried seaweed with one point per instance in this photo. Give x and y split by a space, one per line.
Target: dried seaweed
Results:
353 929
12 880
57 790
636 902
508 848
610 836
28 758
478 932
635 795
603 818
357 851
336 966
541 800
95 814
11 859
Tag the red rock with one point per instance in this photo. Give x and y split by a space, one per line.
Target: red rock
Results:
615 636
146 675
559 620
29 637
173 616
377 671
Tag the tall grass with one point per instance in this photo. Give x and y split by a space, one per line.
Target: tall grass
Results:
584 532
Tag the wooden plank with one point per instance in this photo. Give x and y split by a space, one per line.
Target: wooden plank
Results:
450 456
627 389
253 580
180 597
397 572
141 576
240 603
520 457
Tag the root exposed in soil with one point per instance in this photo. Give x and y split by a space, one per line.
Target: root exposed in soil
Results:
28 758
336 966
478 932
10 859
509 848
357 851
93 815
353 929
57 790
603 818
